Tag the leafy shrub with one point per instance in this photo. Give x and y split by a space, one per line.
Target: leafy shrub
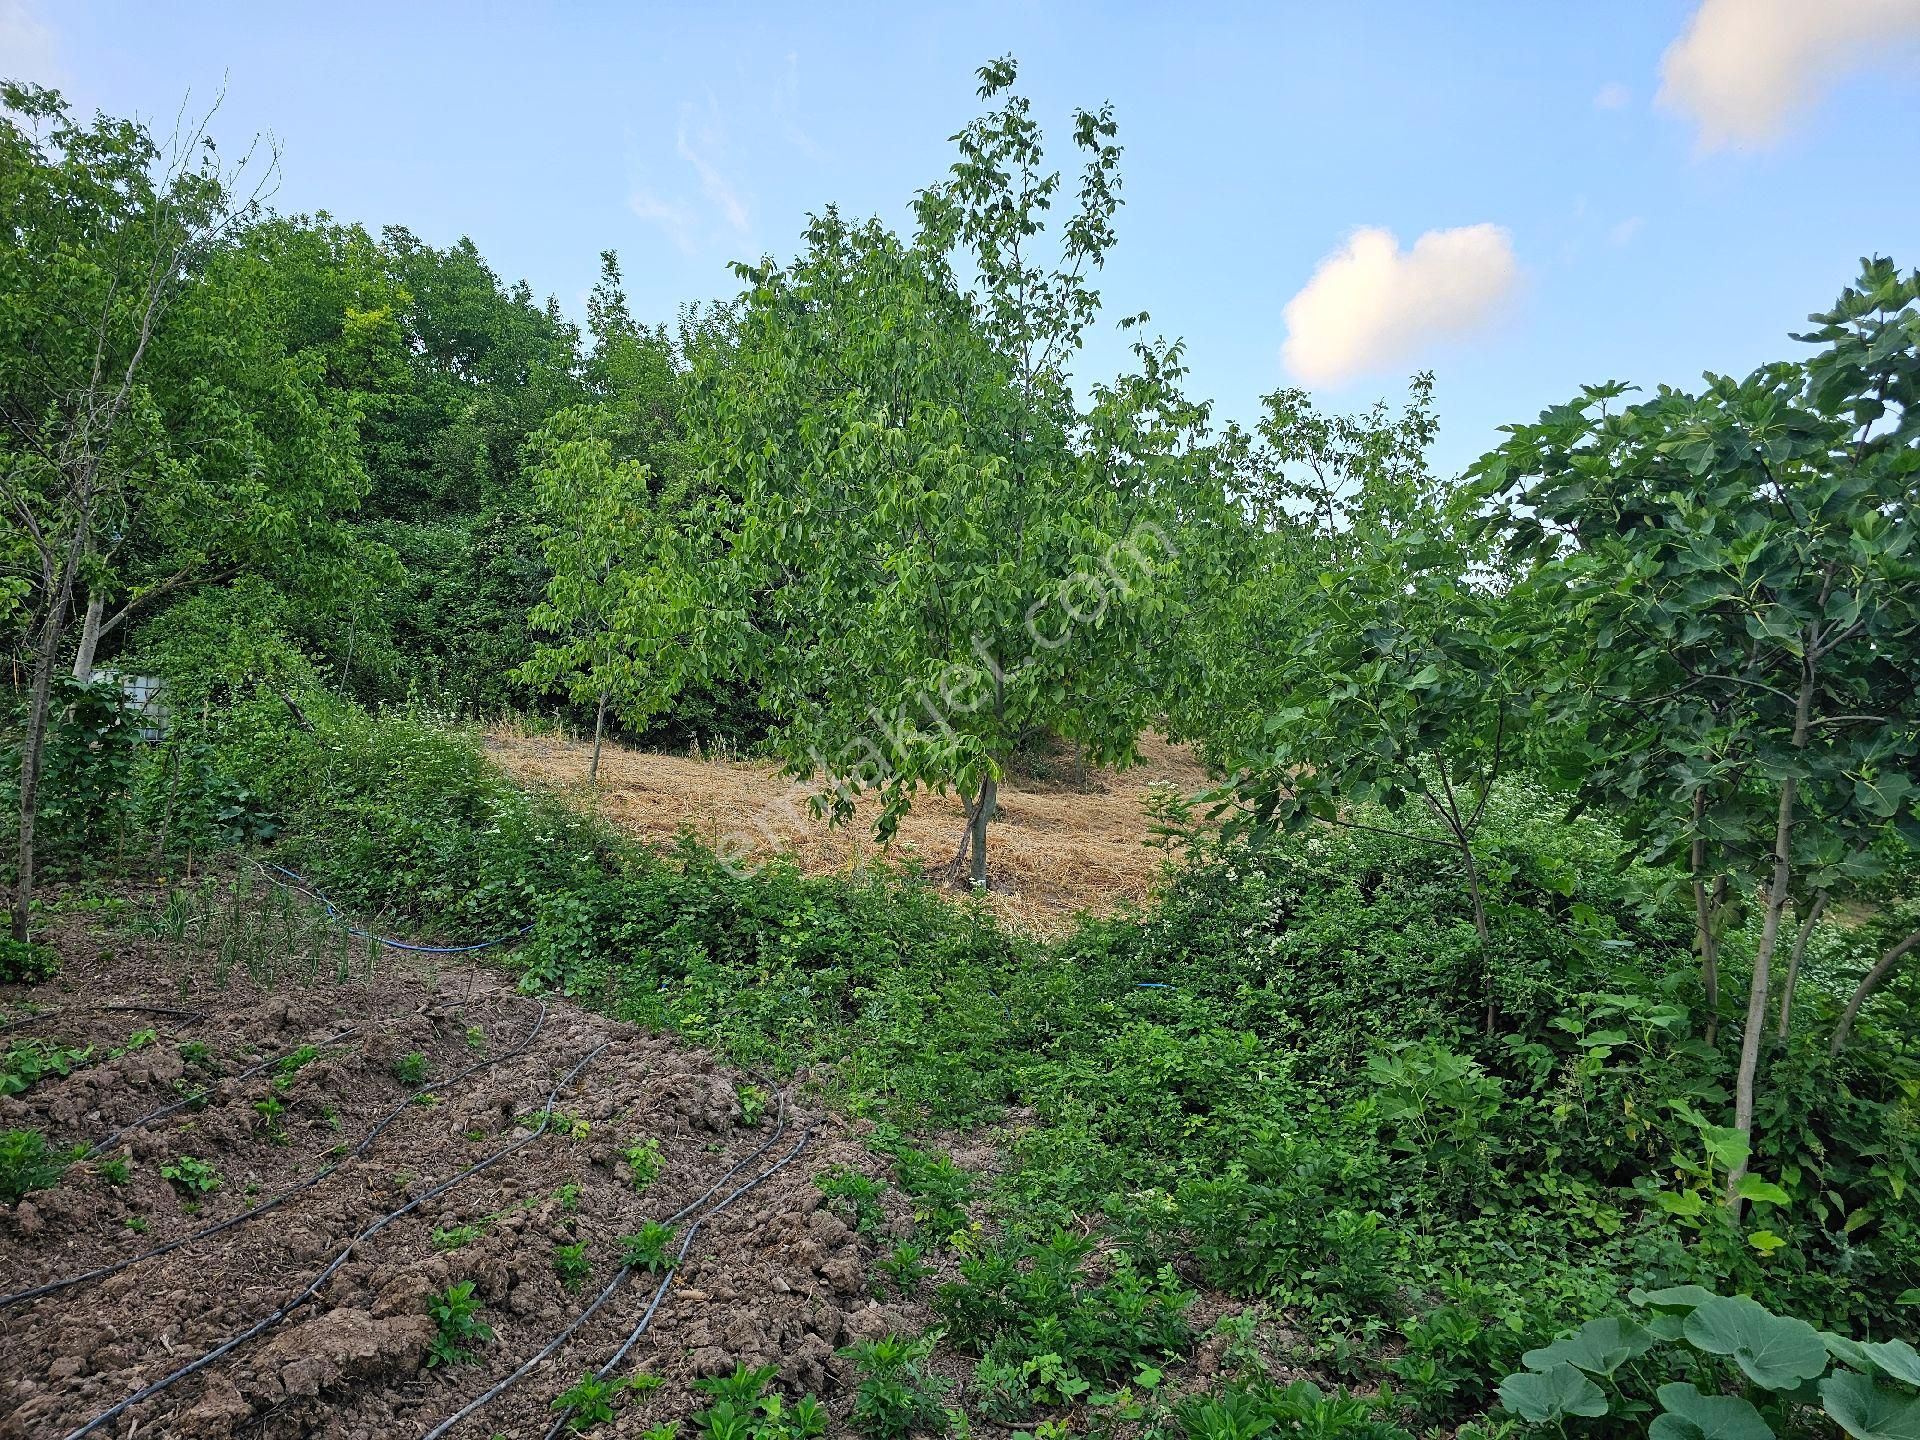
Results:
27 962
1302 1408
644 1162
455 1312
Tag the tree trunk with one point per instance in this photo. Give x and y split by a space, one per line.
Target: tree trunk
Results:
977 837
1793 965
1868 984
599 726
33 751
1704 915
1743 1088
89 637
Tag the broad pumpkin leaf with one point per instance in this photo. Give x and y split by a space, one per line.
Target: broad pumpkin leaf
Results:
1693 1416
1868 1411
1895 1359
1598 1347
1674 1297
1773 1351
1544 1397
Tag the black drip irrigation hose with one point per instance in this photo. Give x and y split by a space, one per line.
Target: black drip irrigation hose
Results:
235 1221
327 1272
200 1095
660 1291
611 1287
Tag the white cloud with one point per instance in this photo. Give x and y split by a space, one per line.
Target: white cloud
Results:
1745 67
1612 96
1370 304
695 143
1623 232
675 217
28 50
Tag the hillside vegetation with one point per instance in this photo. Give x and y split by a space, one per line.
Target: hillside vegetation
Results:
1511 1026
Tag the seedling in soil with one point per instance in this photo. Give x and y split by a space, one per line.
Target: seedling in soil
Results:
270 1110
571 1264
456 1312
753 1104
902 1266
644 1162
139 1040
647 1249
591 1402
743 1410
27 1061
136 1223
27 1164
476 1038
453 1237
411 1070
854 1195
191 1175
116 1171
294 1064
196 1052
567 1197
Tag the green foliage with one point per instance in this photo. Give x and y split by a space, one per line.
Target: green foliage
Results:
648 1248
195 1176
459 1329
26 962
1706 1343
855 1197
897 1395
411 1070
644 1162
590 1401
744 1409
1240 1412
29 1061
27 1164
571 1264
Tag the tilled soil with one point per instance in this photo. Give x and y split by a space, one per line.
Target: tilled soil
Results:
772 1279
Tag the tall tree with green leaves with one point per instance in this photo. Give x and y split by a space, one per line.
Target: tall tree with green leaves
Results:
105 232
1731 579
936 551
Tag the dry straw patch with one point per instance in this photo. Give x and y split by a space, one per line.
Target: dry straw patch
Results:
1058 847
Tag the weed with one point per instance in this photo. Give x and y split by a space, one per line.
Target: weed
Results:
116 1171
453 1237
647 1248
644 1162
28 1164
455 1312
136 1223
192 1175
197 1052
411 1070
571 1264
567 1196
897 1396
476 1038
855 1196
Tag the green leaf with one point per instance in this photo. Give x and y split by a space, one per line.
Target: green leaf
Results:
1599 1347
1752 1187
1542 1397
1773 1351
1894 1358
1727 1145
1765 1241
1693 1416
1675 1297
1868 1411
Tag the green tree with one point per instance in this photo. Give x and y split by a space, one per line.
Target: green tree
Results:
935 551
1730 577
104 233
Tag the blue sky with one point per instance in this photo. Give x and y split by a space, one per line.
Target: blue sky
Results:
1591 224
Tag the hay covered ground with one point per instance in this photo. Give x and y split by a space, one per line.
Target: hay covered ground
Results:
1061 843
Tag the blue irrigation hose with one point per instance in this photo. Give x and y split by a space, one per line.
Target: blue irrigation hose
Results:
300 882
